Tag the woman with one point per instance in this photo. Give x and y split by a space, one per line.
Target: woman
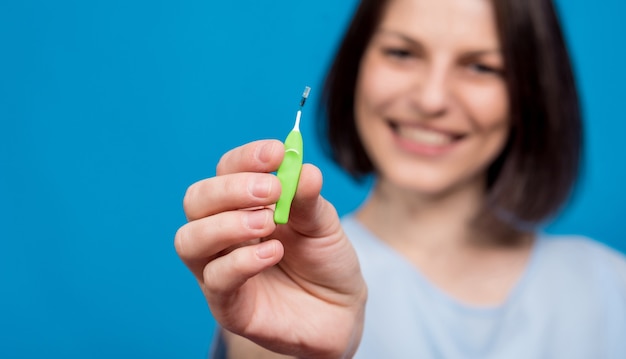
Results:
467 114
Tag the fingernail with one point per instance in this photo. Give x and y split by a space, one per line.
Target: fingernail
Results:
260 188
266 151
256 219
266 250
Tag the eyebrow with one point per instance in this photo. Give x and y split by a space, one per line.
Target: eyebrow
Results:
417 44
401 36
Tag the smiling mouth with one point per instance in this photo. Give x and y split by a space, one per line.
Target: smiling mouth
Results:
424 136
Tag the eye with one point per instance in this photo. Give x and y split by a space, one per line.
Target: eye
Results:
397 52
479 68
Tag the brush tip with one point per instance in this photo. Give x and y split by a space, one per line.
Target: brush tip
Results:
305 95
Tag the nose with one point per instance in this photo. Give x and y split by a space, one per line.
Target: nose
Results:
430 92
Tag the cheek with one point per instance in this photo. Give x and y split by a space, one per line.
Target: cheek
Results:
377 87
373 95
487 106
487 109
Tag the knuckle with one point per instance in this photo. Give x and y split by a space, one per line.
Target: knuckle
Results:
225 162
238 188
179 240
210 280
235 261
207 279
190 194
230 185
220 167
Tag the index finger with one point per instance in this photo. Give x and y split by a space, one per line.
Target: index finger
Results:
258 156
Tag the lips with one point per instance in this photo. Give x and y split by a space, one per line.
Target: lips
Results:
424 136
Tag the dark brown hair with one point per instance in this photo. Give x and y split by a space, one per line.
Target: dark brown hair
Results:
536 171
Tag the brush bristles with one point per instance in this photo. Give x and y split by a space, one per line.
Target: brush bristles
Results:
305 94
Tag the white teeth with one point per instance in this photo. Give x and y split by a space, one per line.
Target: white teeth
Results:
424 136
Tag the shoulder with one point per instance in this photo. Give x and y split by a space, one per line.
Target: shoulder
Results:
576 247
584 257
580 280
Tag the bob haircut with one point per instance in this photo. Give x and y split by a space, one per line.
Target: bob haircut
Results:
536 171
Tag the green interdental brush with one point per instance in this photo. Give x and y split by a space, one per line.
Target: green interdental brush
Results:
289 171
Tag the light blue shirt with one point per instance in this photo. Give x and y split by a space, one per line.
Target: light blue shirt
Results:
570 304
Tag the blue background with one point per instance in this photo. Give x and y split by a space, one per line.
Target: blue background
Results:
109 109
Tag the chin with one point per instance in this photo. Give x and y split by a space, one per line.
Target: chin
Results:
428 187
429 184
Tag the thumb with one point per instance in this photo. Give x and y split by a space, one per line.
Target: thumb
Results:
320 252
311 214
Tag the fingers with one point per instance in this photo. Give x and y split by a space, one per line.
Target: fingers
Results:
225 275
242 181
258 156
230 192
198 241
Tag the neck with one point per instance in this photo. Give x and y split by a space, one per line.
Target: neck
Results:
437 235
405 219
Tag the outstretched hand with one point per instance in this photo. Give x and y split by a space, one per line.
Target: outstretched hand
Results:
294 289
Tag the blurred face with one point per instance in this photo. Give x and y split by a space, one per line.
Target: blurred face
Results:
431 102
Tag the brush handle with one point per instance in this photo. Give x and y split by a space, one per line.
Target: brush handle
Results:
289 175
